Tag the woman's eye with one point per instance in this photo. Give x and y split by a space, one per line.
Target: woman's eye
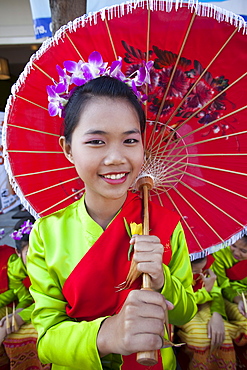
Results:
131 141
95 142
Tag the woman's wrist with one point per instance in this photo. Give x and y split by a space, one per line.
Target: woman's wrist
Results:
237 299
19 320
103 338
217 314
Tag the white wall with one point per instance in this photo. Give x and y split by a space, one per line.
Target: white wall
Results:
16 24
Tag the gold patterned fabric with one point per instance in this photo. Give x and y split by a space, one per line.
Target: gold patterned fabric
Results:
18 351
21 349
231 288
4 360
196 354
240 341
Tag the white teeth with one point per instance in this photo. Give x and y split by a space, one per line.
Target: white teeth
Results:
115 177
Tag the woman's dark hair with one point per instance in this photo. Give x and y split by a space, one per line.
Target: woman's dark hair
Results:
20 244
199 260
103 86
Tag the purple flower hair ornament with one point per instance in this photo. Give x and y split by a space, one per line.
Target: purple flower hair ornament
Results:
25 228
79 73
16 235
115 70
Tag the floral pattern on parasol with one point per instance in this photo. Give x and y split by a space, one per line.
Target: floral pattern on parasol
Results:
183 85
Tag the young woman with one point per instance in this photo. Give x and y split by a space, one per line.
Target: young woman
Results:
78 256
18 340
208 336
230 266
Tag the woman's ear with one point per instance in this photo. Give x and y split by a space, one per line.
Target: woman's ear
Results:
66 148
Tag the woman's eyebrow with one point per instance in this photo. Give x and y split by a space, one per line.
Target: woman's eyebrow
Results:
102 132
95 132
134 131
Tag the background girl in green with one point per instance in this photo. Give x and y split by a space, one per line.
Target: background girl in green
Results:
18 341
230 266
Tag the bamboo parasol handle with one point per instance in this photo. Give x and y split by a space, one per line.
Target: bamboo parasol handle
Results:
147 358
245 304
8 330
14 323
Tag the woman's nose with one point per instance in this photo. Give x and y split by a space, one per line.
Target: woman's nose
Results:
114 156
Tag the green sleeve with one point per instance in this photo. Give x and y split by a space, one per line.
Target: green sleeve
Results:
217 304
178 279
235 289
230 289
16 273
7 297
61 340
26 313
202 296
214 296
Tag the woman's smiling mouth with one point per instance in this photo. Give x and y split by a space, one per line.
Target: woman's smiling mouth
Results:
115 178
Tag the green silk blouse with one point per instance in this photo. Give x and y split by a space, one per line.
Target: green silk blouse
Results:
224 260
17 272
57 243
214 296
7 297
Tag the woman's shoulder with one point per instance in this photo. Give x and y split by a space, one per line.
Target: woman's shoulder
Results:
61 215
222 254
16 267
13 259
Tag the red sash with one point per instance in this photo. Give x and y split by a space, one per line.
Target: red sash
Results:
90 290
26 282
5 252
237 271
197 277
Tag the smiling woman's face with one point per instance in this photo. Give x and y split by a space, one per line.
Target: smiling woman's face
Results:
106 148
239 249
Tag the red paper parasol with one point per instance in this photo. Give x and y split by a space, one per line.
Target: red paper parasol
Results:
196 141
